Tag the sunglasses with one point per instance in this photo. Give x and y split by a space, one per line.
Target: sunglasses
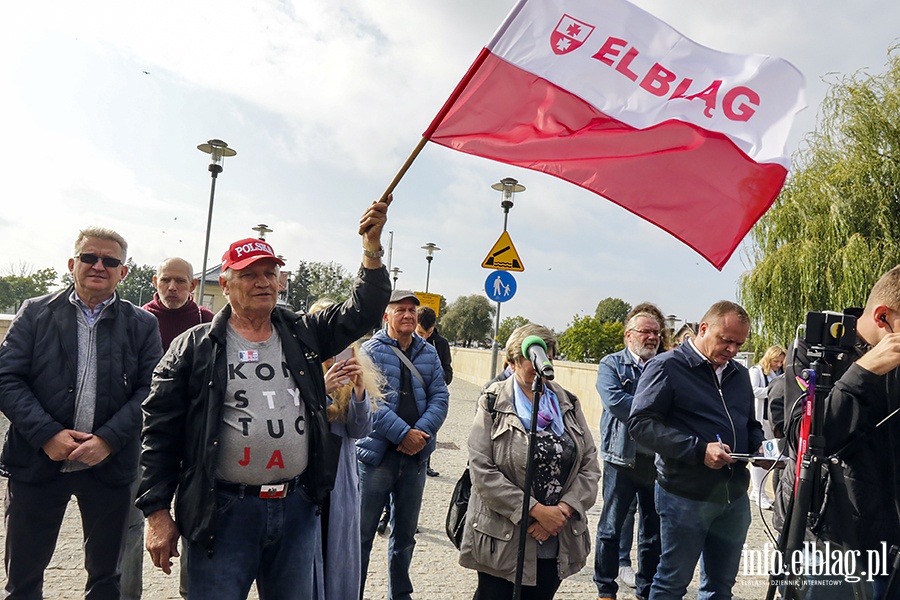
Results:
110 262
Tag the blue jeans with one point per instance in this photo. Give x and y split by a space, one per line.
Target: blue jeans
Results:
626 537
692 530
270 541
400 478
620 486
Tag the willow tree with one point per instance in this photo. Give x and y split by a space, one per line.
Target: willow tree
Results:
835 227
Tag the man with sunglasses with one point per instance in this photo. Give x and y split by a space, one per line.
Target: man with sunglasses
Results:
74 369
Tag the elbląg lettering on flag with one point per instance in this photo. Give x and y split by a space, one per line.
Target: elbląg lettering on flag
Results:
602 94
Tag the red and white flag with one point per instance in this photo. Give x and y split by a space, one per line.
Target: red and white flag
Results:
606 96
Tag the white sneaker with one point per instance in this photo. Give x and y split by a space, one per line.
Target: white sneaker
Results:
626 575
762 500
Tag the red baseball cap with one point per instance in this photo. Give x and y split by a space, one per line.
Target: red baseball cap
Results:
247 251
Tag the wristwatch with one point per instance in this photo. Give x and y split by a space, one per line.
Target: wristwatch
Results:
377 254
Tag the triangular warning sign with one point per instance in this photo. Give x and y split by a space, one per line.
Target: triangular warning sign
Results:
503 256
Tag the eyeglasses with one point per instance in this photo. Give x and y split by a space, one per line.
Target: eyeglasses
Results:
110 262
647 331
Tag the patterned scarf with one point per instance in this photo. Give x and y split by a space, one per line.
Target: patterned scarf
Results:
549 413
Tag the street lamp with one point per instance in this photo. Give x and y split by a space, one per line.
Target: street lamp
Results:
261 231
395 272
430 248
509 187
671 320
217 150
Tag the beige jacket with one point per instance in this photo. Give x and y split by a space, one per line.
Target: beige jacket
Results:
497 447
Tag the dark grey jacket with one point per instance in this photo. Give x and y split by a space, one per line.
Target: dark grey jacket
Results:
183 414
38 379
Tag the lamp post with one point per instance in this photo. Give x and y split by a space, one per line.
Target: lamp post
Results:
390 254
671 320
217 150
508 187
430 248
395 272
261 230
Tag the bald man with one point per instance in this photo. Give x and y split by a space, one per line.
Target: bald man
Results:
176 312
172 304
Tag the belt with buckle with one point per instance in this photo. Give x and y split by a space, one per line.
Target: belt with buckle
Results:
268 491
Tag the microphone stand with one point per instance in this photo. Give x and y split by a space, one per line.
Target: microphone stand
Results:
537 390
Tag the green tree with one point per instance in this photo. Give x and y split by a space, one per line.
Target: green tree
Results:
314 280
22 282
507 326
587 339
612 310
833 229
468 319
137 287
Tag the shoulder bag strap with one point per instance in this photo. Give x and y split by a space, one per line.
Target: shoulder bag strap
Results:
412 368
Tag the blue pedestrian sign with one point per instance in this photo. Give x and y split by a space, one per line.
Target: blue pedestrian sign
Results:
500 286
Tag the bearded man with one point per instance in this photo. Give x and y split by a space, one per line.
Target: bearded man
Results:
628 468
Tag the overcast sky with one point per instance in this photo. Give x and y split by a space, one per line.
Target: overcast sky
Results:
104 104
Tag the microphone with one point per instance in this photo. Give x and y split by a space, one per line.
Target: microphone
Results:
535 349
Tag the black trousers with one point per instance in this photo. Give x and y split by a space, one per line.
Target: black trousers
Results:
497 588
34 514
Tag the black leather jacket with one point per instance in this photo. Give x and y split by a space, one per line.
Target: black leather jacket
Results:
183 413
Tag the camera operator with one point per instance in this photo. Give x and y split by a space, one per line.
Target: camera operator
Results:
866 392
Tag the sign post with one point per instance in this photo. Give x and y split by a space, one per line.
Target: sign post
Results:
500 285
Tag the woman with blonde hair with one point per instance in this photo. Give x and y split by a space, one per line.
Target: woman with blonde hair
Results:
353 385
761 375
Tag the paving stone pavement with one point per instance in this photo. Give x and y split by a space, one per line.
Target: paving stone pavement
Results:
436 575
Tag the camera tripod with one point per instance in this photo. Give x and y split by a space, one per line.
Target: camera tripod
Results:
808 501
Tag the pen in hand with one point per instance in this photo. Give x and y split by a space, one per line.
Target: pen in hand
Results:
721 445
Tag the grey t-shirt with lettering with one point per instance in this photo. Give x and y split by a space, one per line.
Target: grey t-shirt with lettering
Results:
263 438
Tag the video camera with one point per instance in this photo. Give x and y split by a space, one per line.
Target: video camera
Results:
830 332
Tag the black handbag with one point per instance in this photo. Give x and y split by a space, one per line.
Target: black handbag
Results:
459 504
462 491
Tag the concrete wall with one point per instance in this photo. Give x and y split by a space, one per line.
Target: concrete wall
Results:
5 320
474 366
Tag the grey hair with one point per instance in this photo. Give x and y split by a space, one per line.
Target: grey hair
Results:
101 233
171 259
228 273
632 322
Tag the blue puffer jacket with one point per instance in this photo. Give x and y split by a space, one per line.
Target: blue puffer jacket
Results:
388 429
